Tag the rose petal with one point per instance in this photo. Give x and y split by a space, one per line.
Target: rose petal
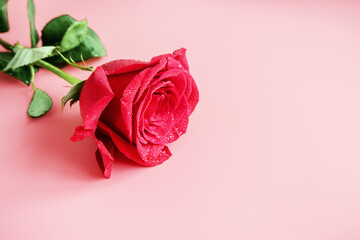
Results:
81 133
105 153
193 97
152 154
128 99
181 119
180 55
153 105
112 114
123 66
157 59
176 77
146 155
142 105
175 64
158 135
129 150
182 110
136 87
156 128
138 121
143 154
171 84
178 130
94 97
149 77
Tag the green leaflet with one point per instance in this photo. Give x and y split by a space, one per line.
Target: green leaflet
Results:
4 24
73 36
53 35
33 33
54 30
73 95
21 73
26 56
40 104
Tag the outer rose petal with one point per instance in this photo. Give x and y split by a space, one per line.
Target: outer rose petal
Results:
181 57
157 59
94 97
81 133
178 55
112 115
123 66
129 150
155 154
105 153
193 99
152 154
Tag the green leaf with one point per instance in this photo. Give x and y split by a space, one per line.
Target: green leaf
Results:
53 33
73 95
4 24
26 56
21 73
54 30
33 33
89 48
74 35
40 104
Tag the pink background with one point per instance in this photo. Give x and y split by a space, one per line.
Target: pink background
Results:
272 150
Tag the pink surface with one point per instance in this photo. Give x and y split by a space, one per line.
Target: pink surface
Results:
272 150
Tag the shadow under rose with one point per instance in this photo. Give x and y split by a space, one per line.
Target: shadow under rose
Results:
58 155
50 138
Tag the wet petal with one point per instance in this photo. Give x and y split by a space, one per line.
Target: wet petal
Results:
112 115
193 97
181 119
153 154
81 133
105 153
123 66
177 78
94 97
136 88
126 148
180 55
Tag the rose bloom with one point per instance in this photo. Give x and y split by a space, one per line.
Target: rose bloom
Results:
136 108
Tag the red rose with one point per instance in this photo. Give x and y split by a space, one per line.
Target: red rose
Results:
136 108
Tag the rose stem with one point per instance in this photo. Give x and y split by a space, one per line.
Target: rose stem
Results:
67 77
40 63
